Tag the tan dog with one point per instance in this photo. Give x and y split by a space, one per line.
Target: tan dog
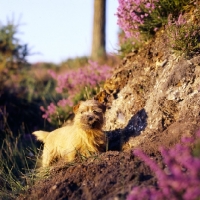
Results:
83 137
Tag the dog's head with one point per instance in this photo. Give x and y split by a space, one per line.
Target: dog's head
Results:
89 114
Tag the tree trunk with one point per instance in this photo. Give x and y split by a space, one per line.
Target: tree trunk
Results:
99 24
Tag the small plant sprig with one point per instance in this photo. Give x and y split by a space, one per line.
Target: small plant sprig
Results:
179 180
184 35
74 85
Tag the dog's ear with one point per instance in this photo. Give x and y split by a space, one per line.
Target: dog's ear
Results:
75 108
103 107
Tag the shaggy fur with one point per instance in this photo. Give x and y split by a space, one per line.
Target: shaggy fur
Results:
83 137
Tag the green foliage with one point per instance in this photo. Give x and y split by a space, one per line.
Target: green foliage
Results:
86 93
75 62
196 149
23 89
159 16
128 46
17 164
184 35
12 52
37 88
61 115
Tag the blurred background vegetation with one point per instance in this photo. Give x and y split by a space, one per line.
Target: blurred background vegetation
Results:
27 90
24 89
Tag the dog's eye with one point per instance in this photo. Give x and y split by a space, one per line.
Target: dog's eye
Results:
95 112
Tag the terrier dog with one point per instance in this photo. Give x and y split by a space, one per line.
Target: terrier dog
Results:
83 137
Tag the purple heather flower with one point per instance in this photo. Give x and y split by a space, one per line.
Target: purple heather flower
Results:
72 82
182 181
131 15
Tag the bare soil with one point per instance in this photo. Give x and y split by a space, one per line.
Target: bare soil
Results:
112 174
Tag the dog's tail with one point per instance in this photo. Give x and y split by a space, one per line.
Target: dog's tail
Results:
41 135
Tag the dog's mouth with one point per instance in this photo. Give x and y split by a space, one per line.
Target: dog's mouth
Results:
90 122
94 125
91 125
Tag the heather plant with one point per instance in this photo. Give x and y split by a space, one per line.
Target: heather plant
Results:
179 180
131 16
140 19
126 44
74 85
196 150
184 34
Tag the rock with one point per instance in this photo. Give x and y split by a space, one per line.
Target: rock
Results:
167 91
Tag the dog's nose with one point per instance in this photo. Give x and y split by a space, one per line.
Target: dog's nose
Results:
90 118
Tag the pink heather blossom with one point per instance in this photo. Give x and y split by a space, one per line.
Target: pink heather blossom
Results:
182 179
181 20
72 82
87 76
137 2
65 102
198 133
155 29
131 15
148 5
51 108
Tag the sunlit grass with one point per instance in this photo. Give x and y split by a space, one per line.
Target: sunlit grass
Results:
17 162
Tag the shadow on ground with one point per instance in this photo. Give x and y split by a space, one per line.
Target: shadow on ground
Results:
116 138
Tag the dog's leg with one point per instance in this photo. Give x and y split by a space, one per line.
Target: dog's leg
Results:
47 157
70 156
